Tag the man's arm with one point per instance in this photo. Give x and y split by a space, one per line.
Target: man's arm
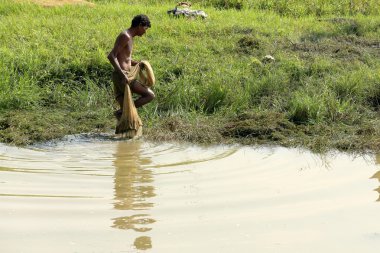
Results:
121 42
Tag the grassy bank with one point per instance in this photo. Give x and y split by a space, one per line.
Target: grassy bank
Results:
322 91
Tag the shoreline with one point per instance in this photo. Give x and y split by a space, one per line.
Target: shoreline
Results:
28 127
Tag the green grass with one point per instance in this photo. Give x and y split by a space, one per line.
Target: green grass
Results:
326 73
294 8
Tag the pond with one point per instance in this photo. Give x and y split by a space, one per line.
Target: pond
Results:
98 194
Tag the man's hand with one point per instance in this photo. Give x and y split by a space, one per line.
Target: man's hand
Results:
134 63
125 78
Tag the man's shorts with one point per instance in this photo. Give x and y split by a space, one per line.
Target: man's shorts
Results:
119 84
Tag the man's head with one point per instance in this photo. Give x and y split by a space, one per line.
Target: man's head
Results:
141 23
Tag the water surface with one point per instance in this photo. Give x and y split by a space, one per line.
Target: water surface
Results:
101 195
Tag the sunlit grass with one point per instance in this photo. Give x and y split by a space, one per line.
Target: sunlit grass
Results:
326 67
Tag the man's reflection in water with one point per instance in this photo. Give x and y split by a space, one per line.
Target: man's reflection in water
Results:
377 174
132 191
143 243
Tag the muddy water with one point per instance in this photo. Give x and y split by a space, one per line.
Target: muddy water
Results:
102 195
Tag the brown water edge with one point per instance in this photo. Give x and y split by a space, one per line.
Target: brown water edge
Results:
101 195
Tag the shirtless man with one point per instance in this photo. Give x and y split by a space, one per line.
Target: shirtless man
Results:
121 59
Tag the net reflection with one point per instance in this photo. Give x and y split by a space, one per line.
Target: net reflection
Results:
132 190
377 175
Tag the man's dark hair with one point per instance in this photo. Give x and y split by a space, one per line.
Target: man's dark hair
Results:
140 20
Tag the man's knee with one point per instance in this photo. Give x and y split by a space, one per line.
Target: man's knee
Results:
150 95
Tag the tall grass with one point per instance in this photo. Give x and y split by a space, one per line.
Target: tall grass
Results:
326 68
294 8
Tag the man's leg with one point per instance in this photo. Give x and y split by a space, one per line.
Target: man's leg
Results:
119 100
118 88
146 94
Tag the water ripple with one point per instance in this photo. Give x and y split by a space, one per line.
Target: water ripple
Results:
134 196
